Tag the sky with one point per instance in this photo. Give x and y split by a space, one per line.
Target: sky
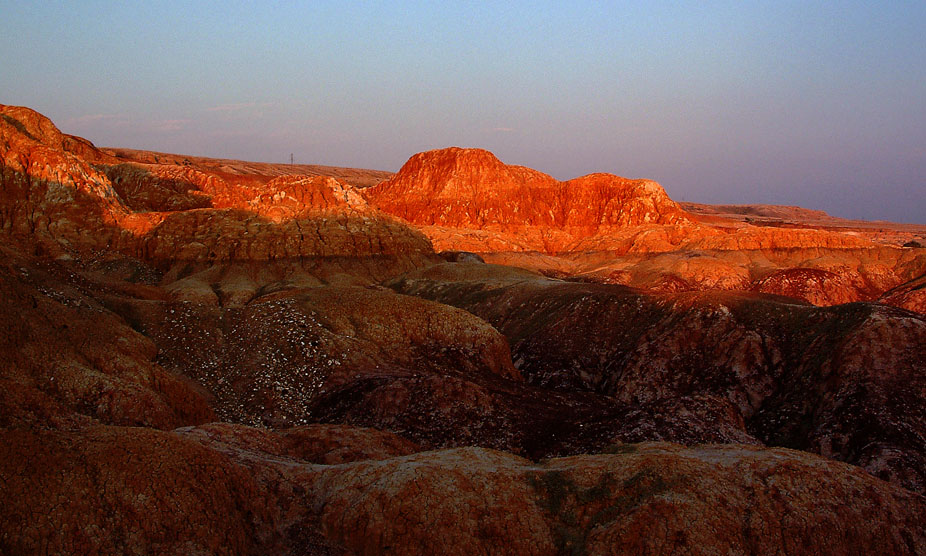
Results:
817 104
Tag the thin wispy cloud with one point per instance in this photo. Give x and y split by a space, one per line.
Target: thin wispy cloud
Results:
90 122
503 129
237 107
170 125
94 118
232 133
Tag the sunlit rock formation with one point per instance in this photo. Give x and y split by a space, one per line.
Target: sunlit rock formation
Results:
203 356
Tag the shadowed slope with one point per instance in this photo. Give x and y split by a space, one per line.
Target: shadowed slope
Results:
848 381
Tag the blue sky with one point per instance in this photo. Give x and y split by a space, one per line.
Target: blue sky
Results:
816 104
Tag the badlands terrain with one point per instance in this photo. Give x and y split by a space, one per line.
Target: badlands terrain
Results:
204 356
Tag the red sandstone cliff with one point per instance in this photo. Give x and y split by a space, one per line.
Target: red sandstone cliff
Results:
471 188
606 228
466 199
64 193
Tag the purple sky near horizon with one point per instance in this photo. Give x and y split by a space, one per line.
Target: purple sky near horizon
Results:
821 105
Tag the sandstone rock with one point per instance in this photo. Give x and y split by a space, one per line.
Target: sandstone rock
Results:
471 189
325 444
650 499
40 129
68 359
820 275
466 199
247 171
217 236
107 490
164 213
911 295
267 361
819 287
158 188
636 498
855 391
48 192
816 379
461 257
162 291
239 491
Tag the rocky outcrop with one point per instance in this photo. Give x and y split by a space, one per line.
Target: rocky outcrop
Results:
217 236
144 296
269 361
174 188
293 195
649 499
67 360
224 489
816 286
40 129
824 380
471 189
818 275
48 192
168 212
249 171
369 357
71 197
108 490
910 295
467 200
161 188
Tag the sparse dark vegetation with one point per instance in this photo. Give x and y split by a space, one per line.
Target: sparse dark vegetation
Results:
577 510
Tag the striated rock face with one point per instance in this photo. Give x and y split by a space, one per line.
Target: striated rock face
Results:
201 356
46 190
215 236
67 360
164 188
40 129
467 200
609 229
71 197
816 286
825 380
249 171
652 499
107 490
71 358
819 275
160 188
268 362
293 195
470 188
225 489
911 295
646 498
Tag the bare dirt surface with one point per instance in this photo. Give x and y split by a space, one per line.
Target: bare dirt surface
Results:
203 356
